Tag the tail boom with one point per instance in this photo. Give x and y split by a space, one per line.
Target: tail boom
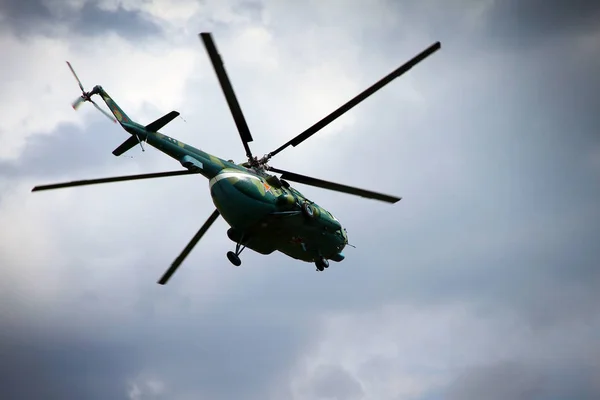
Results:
190 157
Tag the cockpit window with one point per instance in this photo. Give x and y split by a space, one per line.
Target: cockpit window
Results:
332 216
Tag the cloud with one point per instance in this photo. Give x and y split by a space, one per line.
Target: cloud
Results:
55 366
25 117
333 382
60 153
132 24
492 381
526 382
457 351
82 18
484 271
144 388
524 24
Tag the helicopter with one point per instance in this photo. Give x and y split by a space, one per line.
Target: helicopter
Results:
263 211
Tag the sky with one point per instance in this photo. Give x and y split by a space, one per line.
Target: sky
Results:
483 282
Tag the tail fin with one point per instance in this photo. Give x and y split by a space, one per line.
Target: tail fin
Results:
151 127
114 108
137 131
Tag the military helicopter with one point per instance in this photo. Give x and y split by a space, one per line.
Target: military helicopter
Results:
264 212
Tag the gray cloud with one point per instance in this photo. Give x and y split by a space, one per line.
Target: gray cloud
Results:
513 380
235 354
249 8
523 24
333 382
497 25
499 212
36 365
20 12
131 24
62 152
41 17
223 352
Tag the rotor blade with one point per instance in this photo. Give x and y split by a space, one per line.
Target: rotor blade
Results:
307 180
76 77
163 280
234 106
77 102
362 96
113 119
112 179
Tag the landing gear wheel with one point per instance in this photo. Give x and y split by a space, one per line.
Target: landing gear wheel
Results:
321 264
308 210
234 258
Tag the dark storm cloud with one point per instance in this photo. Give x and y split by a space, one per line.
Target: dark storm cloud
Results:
229 354
515 381
41 17
35 365
23 12
528 210
510 234
131 24
507 235
524 218
224 353
68 151
475 29
521 230
525 23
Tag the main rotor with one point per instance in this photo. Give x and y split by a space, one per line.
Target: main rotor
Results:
240 121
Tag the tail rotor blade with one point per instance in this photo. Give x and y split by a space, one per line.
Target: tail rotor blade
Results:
113 119
167 275
76 77
77 102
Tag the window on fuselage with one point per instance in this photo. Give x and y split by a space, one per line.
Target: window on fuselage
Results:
330 214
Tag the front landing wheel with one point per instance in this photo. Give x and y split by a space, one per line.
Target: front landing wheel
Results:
321 264
235 260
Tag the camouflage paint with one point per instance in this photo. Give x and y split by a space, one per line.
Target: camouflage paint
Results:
250 201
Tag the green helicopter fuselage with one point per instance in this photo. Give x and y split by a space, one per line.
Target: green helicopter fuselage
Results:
265 213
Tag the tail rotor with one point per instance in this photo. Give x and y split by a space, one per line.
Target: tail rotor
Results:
78 102
87 96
